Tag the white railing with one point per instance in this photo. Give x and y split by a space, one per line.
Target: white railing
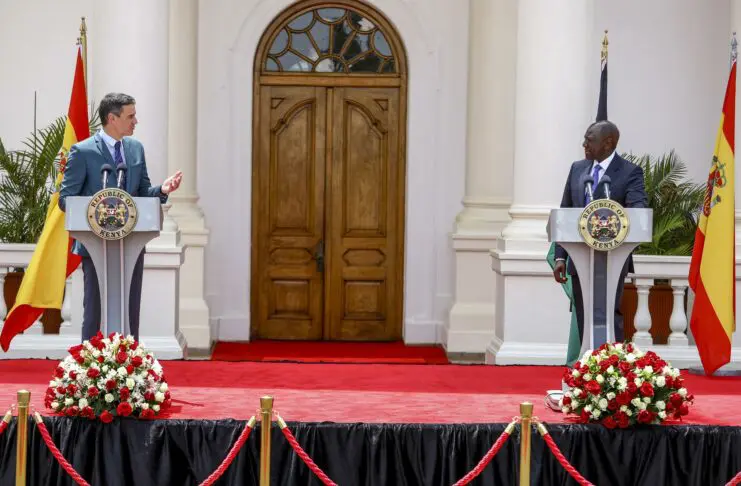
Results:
680 348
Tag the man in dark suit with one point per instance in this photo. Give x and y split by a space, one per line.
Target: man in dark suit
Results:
82 177
626 188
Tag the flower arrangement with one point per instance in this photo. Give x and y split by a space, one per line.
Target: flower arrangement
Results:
618 385
107 377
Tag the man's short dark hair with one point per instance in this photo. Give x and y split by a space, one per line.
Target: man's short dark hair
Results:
606 128
113 103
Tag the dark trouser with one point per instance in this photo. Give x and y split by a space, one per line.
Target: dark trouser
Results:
91 298
579 304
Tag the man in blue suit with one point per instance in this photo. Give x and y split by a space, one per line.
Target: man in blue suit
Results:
82 177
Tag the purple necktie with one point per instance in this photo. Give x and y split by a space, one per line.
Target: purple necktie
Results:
595 178
118 159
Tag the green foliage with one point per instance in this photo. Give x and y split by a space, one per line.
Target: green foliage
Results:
676 203
27 180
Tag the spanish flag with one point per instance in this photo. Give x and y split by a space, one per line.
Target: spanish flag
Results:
713 270
52 262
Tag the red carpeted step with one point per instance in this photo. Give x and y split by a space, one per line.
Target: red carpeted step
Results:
329 352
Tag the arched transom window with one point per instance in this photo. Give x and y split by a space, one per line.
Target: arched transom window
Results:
331 40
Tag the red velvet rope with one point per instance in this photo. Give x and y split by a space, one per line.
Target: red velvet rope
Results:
305 457
232 454
565 463
58 455
735 481
486 459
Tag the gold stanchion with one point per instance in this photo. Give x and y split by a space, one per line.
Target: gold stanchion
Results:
266 423
24 399
526 415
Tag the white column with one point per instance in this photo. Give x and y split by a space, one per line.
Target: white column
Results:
129 52
490 149
183 68
553 107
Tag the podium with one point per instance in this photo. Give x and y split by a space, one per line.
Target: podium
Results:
599 239
114 227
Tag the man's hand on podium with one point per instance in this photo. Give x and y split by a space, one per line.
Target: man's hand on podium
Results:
559 271
172 182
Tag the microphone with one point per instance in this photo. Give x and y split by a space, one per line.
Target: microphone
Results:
120 170
105 170
605 181
586 181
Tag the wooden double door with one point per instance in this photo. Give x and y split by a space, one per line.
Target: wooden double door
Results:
328 213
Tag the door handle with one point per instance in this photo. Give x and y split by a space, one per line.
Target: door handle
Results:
319 256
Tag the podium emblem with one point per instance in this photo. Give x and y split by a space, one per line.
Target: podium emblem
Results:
112 214
604 224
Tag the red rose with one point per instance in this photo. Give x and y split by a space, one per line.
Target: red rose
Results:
669 382
87 412
567 400
112 335
124 409
647 390
93 373
134 345
630 376
149 396
101 359
584 370
614 359
684 409
71 388
645 417
125 393
622 420
166 404
106 417
577 365
593 387
110 385
604 365
121 357
632 389
130 369
612 405
59 372
624 367
629 348
147 414
73 375
137 361
93 392
678 383
61 390
676 399
609 422
75 349
584 417
79 359
669 406
73 411
623 398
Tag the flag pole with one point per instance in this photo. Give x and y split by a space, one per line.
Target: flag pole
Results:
82 41
605 44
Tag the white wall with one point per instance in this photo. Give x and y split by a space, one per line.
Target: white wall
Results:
37 53
668 69
436 40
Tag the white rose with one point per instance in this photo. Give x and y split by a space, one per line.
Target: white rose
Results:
603 404
588 408
675 372
145 406
666 370
629 413
122 371
96 353
638 382
682 392
577 392
636 402
660 381
646 399
105 369
596 413
612 380
662 415
55 405
660 405
648 370
82 403
641 406
159 397
68 401
630 358
588 377
623 380
156 408
611 369
600 379
163 387
623 408
622 386
619 346
565 409
108 398
130 383
575 374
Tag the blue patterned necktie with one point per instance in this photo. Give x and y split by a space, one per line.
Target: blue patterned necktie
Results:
118 159
595 179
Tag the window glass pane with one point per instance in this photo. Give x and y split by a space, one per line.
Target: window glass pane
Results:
271 65
369 63
360 23
329 65
301 43
379 42
320 34
280 42
331 14
291 62
301 22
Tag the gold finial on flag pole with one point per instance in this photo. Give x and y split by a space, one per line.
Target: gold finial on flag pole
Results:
83 42
734 49
605 43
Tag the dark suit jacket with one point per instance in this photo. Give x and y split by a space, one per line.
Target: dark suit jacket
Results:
82 175
626 188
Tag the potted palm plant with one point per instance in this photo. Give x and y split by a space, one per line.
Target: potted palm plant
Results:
676 204
27 178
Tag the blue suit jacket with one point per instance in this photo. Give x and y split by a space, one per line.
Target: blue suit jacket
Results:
626 188
82 176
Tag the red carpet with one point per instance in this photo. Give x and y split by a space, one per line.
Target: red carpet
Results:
366 393
329 352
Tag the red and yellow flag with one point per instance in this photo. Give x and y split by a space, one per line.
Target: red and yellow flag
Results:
52 262
713 268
